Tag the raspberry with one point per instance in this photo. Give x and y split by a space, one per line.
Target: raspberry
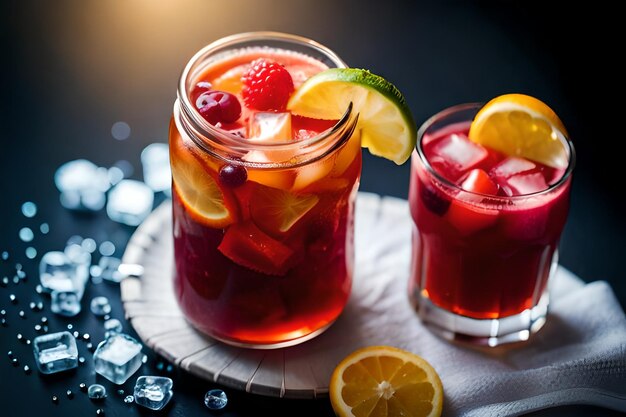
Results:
267 85
218 107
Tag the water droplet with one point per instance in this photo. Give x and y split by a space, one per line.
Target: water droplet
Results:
160 366
215 399
22 314
5 281
69 394
3 322
39 289
44 320
70 326
89 245
86 336
27 370
144 359
38 328
82 386
26 234
16 280
89 347
74 240
44 228
13 298
99 412
10 354
29 209
129 399
120 392
20 337
107 248
3 312
27 341
76 334
120 130
31 253
81 359
5 255
55 399
15 362
96 392
169 368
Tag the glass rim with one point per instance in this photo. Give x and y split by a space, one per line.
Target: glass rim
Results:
476 106
200 127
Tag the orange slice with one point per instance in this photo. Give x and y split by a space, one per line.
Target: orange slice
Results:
199 190
521 125
383 381
275 210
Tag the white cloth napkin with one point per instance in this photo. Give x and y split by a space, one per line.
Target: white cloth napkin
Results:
579 357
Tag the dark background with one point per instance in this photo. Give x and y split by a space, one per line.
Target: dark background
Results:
70 69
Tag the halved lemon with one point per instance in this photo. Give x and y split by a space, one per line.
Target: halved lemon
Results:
275 210
199 190
383 381
385 121
521 125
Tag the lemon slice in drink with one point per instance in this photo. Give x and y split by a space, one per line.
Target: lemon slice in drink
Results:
384 381
385 121
521 125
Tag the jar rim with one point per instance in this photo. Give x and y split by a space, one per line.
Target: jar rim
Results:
197 127
569 146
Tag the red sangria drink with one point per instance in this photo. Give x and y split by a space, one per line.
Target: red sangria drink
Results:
263 199
489 197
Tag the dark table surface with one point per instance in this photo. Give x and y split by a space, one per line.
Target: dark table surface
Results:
71 69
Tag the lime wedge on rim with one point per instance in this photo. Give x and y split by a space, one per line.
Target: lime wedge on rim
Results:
385 122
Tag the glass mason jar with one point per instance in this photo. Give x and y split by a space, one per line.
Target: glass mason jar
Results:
263 231
481 263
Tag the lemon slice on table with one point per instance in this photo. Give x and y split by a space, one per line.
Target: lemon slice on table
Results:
521 125
383 381
385 121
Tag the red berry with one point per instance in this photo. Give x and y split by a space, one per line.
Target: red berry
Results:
218 107
267 85
198 89
233 175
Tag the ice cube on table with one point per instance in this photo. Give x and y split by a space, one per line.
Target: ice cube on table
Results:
118 357
81 258
454 155
111 327
109 269
55 352
65 303
82 185
155 160
153 392
130 202
58 273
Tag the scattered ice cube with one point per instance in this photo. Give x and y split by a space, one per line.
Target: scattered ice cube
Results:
129 399
215 399
65 303
82 185
55 352
109 268
96 392
155 160
456 154
81 259
26 234
117 358
100 306
29 209
130 202
112 326
58 273
120 130
153 392
107 248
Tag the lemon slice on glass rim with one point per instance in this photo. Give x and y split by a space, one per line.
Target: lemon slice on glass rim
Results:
385 122
521 125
